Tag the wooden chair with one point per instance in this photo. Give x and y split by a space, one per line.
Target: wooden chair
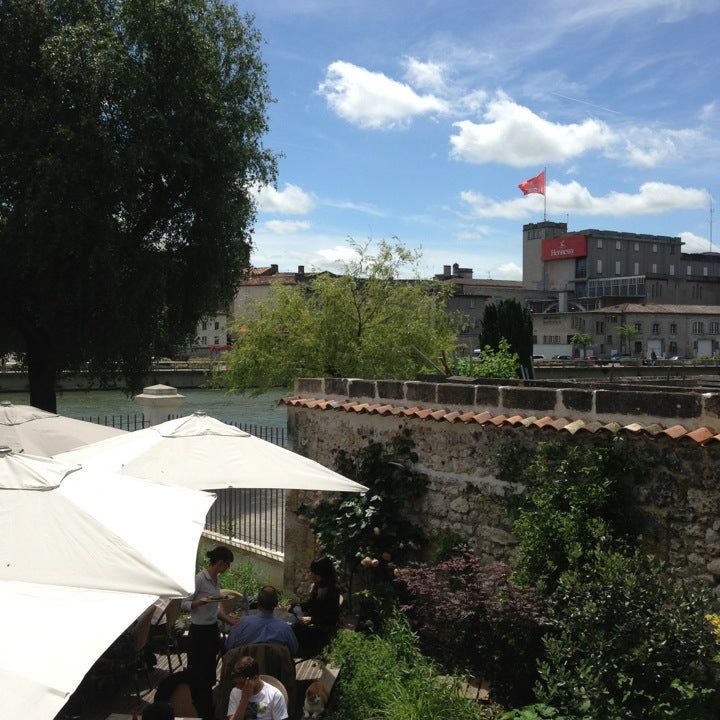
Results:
170 644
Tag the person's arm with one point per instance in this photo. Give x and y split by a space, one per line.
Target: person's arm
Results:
245 694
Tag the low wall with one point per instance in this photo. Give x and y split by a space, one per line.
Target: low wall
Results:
678 498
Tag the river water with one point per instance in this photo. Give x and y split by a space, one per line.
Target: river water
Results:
259 410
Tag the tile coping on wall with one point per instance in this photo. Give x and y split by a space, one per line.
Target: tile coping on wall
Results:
700 436
690 409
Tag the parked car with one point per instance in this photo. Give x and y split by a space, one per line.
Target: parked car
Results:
538 357
562 357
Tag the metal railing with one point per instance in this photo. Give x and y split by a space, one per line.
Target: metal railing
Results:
253 516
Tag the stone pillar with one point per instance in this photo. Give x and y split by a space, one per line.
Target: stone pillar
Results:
159 401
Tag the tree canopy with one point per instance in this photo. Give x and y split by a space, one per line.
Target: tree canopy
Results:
510 320
366 322
130 141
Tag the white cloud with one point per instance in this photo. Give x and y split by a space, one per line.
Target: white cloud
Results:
507 271
366 208
514 135
707 111
652 198
286 227
336 256
373 100
695 243
292 200
425 75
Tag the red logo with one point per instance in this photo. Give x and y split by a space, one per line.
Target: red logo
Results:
564 248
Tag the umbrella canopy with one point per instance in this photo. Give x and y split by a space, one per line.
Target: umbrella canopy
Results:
201 452
24 428
80 528
83 553
51 636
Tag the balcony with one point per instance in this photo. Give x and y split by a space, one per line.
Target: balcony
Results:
629 286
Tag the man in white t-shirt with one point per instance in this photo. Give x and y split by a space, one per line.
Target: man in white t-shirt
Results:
251 698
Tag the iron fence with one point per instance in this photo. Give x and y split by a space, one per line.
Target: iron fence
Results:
254 516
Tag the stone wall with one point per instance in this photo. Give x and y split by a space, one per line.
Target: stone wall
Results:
678 497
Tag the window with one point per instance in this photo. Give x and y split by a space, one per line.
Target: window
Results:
673 328
618 245
217 340
672 348
654 267
637 246
659 288
609 340
672 249
698 328
617 267
656 328
672 269
636 268
654 248
599 327
599 244
715 328
599 266
689 270
217 324
204 325
638 327
203 340
551 339
613 318
705 271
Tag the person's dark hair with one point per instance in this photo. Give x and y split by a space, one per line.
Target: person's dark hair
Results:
268 598
158 711
246 667
325 569
218 554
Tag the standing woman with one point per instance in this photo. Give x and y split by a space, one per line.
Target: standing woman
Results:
204 636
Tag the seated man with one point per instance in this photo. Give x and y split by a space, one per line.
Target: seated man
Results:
263 627
253 698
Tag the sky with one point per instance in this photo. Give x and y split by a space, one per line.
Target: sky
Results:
417 120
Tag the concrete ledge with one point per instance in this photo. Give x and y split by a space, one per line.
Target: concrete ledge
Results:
309 385
524 398
673 405
361 389
421 391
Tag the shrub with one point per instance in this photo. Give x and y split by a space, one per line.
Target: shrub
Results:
386 676
629 641
474 617
499 363
574 499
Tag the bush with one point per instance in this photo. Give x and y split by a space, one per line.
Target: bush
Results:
629 641
574 499
473 617
500 363
386 676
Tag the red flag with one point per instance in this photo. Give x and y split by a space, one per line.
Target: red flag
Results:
534 184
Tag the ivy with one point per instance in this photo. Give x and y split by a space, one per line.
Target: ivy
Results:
373 528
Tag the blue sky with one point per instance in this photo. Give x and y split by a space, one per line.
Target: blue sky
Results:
419 119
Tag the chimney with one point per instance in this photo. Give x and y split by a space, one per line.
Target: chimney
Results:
273 269
301 270
455 268
446 270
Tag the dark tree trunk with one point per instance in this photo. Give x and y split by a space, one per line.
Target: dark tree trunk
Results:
41 373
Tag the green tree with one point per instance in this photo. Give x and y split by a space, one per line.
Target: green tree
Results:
130 140
499 363
627 332
581 340
510 320
364 323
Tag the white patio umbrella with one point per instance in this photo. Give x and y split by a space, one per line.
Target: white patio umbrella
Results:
201 452
82 554
24 428
51 636
67 526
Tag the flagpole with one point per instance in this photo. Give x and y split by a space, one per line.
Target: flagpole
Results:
545 195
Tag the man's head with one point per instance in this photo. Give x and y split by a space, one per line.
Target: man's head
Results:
268 598
246 674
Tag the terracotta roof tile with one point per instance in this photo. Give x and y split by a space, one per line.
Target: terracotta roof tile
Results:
700 436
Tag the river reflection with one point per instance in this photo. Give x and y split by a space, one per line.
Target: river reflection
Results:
260 410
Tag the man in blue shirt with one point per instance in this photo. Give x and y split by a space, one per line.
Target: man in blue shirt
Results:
263 627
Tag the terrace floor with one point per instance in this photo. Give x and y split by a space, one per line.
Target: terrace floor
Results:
92 705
